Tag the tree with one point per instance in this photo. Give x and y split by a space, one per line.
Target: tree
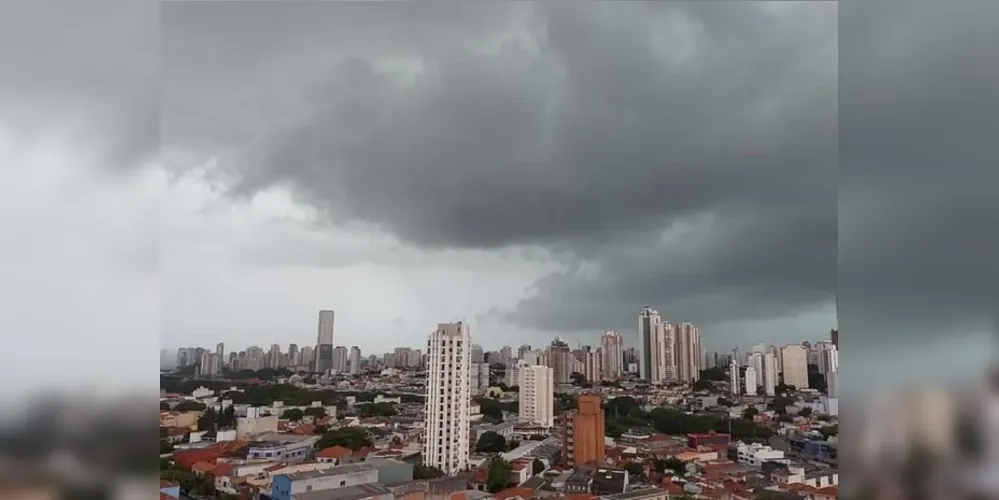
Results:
164 406
750 412
577 378
785 417
805 412
315 411
716 374
703 384
354 438
635 469
537 467
816 380
499 475
375 410
671 464
293 414
490 442
227 419
165 447
206 422
189 406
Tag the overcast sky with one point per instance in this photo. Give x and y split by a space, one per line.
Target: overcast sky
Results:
221 171
536 169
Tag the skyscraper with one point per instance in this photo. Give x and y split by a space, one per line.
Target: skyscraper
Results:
354 360
583 432
324 342
834 336
340 357
795 365
478 356
593 364
446 444
537 395
750 381
687 349
647 321
733 377
663 356
560 360
769 377
612 344
220 351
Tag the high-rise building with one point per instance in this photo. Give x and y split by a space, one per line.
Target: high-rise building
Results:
446 443
733 377
828 359
631 360
583 432
294 357
274 357
523 350
832 384
340 356
220 352
477 354
750 381
354 360
769 377
308 356
479 378
662 356
505 354
537 395
834 337
647 321
324 342
687 349
559 358
612 344
593 364
794 359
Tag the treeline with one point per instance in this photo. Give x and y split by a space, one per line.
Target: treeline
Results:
265 395
624 413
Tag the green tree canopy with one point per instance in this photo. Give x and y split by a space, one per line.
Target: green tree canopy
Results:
499 475
537 467
354 438
315 411
490 442
375 410
293 414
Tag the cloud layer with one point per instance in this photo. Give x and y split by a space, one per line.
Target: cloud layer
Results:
679 155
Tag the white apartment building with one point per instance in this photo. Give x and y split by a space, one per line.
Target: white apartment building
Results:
769 378
686 352
593 364
663 368
449 357
750 381
733 376
755 454
537 395
794 360
612 344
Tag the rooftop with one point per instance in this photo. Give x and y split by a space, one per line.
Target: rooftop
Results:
358 492
332 471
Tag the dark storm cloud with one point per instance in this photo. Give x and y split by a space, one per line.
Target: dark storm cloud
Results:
617 123
86 65
918 210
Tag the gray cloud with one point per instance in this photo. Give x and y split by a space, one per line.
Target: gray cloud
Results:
592 130
917 200
94 76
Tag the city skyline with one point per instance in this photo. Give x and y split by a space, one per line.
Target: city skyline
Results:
268 218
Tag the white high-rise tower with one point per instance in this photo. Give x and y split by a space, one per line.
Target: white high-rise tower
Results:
446 424
750 381
733 376
537 394
769 377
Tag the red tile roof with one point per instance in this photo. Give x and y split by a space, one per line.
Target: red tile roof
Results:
206 467
167 484
334 452
525 493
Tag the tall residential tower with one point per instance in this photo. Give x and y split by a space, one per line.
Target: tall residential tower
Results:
449 357
324 342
